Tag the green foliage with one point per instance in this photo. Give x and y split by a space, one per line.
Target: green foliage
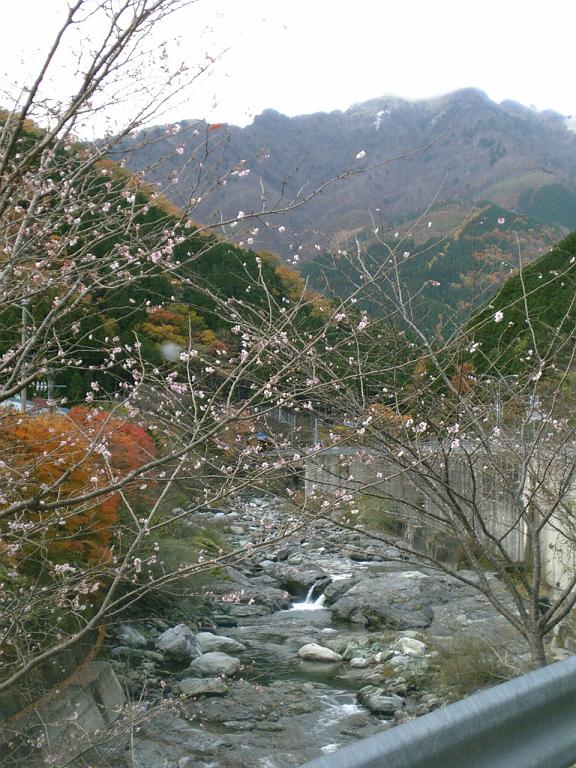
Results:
376 515
448 274
186 550
550 203
547 311
467 664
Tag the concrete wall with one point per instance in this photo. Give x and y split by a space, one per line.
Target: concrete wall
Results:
487 493
405 491
559 538
66 722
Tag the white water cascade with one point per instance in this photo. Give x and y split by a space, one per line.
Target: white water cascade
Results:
310 603
314 604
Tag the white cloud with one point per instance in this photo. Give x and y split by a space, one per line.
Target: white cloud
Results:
303 56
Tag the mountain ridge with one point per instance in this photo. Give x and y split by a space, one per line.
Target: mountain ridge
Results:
474 149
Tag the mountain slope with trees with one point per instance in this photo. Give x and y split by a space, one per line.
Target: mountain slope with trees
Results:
529 325
449 276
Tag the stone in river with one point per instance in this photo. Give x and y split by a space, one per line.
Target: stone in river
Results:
208 642
178 643
378 701
212 664
208 686
315 652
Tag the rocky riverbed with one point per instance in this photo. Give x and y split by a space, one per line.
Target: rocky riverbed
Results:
308 646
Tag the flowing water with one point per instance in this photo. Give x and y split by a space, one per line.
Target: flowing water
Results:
310 603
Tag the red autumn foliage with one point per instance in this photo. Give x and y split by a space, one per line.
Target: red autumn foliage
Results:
129 444
47 455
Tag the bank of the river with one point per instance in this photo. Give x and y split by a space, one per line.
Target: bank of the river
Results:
309 645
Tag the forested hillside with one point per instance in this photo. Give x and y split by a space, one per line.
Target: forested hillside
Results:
531 321
157 308
449 276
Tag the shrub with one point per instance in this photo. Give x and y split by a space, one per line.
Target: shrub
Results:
467 664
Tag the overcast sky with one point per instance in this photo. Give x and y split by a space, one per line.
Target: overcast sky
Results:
300 56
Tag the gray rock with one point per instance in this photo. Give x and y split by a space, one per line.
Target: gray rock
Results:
359 662
268 597
198 686
362 556
238 725
383 656
237 530
285 552
378 701
295 579
138 654
396 600
212 664
315 652
392 553
208 643
338 589
214 510
131 637
165 740
272 727
350 650
223 620
248 611
409 646
178 643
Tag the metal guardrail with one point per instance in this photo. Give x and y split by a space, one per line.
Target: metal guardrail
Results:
528 722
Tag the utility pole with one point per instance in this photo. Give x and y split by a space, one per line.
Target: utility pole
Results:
50 393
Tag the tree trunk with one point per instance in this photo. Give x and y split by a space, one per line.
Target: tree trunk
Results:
537 652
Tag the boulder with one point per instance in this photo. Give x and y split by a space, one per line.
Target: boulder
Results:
359 662
284 552
296 580
178 643
315 652
136 654
237 530
208 642
409 646
338 588
267 597
383 656
378 701
224 620
165 740
395 600
131 636
213 664
198 686
350 650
